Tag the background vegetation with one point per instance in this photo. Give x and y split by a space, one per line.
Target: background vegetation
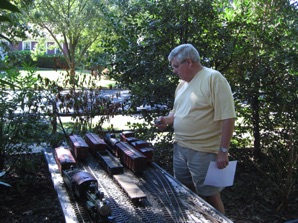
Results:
253 43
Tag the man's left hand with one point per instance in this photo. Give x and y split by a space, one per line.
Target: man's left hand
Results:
222 160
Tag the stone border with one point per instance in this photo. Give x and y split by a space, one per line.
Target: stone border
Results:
68 211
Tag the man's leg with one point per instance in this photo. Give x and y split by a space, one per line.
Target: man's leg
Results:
180 167
216 202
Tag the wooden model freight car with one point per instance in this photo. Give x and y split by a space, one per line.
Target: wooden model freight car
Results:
64 159
145 148
130 157
79 147
110 163
99 150
95 143
113 166
132 190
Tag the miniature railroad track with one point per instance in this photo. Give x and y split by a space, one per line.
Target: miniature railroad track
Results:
164 203
167 196
80 211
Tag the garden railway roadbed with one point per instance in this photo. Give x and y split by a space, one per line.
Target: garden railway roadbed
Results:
166 199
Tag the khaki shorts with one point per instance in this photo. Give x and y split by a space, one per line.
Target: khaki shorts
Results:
190 167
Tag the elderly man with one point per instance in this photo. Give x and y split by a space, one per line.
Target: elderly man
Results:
203 118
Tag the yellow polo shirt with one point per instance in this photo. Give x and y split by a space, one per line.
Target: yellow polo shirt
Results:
199 107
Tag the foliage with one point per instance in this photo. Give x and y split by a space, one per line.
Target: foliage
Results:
39 49
21 105
6 5
77 24
18 57
50 61
265 58
253 43
7 29
13 26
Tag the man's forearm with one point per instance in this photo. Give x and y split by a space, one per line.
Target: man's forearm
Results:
227 132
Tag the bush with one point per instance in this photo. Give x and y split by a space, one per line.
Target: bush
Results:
20 57
51 61
22 122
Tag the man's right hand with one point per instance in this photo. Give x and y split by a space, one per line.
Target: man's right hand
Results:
160 123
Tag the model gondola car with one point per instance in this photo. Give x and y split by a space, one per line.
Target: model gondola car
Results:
126 134
145 148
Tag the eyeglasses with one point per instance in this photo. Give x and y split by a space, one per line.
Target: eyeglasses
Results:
177 66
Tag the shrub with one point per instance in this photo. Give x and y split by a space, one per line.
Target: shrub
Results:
51 61
17 57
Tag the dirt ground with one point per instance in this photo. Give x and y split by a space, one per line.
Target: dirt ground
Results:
32 197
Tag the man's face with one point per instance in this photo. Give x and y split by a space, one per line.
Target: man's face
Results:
181 69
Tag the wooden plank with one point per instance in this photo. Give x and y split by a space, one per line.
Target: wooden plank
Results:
130 188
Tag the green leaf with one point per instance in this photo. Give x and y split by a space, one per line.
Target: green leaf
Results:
7 5
4 19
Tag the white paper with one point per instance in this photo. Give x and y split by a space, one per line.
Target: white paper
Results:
221 177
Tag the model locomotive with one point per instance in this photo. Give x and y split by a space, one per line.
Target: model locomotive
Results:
83 186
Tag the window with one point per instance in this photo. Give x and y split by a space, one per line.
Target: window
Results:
58 51
26 45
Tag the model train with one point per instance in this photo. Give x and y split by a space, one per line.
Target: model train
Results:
83 186
128 139
142 146
111 159
79 147
115 153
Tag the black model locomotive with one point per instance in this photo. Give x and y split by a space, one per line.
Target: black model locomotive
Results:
83 186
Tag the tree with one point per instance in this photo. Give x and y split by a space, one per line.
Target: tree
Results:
263 55
77 24
146 31
263 71
6 5
253 43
